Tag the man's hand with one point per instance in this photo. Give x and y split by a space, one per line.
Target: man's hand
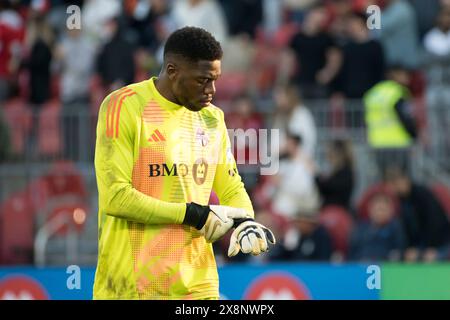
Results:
250 237
212 221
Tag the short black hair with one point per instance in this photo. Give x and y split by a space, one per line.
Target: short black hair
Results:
194 44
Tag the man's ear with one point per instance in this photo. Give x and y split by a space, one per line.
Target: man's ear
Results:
172 70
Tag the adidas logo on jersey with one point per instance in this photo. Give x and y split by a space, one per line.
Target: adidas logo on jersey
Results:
156 136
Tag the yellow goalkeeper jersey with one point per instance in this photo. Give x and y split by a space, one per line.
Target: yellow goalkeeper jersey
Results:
152 157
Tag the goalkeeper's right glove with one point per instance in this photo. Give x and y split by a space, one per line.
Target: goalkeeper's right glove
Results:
250 237
212 221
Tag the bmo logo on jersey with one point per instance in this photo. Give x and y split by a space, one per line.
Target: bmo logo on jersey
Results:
199 170
21 288
277 286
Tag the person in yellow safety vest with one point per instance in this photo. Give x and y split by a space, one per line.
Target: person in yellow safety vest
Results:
391 127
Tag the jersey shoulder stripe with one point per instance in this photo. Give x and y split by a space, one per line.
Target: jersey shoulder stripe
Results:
113 111
120 108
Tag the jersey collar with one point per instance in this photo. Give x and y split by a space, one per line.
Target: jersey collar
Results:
163 102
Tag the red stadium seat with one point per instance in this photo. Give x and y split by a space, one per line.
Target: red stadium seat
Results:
230 85
64 178
19 119
49 140
265 67
363 204
38 193
339 224
75 214
17 228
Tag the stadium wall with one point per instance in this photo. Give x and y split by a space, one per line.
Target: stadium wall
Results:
274 281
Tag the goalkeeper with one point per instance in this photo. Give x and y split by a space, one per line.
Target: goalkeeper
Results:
161 148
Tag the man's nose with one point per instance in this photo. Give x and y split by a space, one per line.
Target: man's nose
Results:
210 88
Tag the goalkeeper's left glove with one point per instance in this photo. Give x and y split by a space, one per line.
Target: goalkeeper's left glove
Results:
212 221
250 237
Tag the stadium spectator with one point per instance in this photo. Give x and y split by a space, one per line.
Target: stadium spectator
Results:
115 62
426 12
144 18
425 221
243 17
96 15
336 186
362 68
305 240
363 60
40 43
293 187
298 8
12 30
317 57
437 66
75 55
391 127
399 34
291 115
381 237
206 14
244 117
339 10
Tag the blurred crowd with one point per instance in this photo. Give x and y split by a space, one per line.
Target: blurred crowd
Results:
283 61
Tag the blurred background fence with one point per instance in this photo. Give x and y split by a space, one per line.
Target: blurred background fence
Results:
52 175
304 68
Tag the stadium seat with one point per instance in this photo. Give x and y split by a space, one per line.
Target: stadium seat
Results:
63 178
339 224
259 195
49 135
38 192
230 85
17 228
362 206
75 214
266 64
18 117
280 38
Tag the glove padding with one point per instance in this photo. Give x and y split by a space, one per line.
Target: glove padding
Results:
250 237
220 220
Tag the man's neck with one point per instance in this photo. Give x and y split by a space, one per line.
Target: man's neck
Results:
162 85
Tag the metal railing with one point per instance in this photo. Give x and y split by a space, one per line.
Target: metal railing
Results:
40 139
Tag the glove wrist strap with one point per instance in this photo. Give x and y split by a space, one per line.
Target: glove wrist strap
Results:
196 215
237 222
